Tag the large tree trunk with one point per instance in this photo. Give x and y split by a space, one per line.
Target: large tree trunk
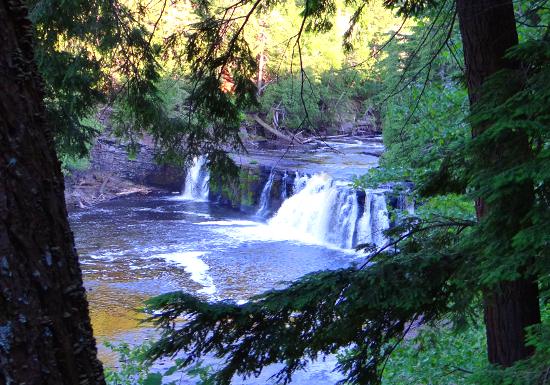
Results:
488 30
45 331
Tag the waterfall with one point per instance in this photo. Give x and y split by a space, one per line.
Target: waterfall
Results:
374 220
266 194
315 208
197 181
321 211
284 186
300 182
406 203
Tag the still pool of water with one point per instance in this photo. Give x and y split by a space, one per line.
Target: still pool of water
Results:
137 247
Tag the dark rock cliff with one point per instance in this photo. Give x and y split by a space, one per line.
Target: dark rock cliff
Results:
109 156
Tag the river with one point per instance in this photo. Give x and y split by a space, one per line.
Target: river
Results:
141 246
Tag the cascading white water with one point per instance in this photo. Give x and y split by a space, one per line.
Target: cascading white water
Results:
264 198
284 186
374 220
197 181
299 182
326 211
406 203
320 211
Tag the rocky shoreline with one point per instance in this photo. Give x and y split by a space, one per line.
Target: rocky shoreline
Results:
87 188
112 173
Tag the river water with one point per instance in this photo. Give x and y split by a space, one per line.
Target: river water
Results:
141 246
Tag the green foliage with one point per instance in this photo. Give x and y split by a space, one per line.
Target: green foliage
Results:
364 308
92 53
86 50
441 355
424 103
531 371
439 260
287 106
134 369
204 374
322 101
100 52
237 191
516 126
72 163
313 83
437 355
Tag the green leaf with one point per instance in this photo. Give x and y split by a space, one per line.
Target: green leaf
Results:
153 379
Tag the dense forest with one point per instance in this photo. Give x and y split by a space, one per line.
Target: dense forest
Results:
455 291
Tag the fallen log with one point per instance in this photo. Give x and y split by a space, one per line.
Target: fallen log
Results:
276 132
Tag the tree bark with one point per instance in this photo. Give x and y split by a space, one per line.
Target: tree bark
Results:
45 331
509 309
488 30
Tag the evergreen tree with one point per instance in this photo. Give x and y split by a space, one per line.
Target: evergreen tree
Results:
511 301
91 53
45 331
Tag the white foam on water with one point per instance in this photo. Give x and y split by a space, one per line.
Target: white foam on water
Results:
374 220
194 266
262 232
322 211
107 256
150 209
263 210
195 214
236 222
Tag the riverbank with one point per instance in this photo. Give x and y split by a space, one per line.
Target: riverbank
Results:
87 188
112 173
